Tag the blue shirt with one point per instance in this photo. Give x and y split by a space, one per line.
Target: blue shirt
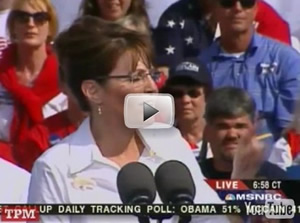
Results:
269 71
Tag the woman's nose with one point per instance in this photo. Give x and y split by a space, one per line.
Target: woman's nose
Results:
186 99
30 21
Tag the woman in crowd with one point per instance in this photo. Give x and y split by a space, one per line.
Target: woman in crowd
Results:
190 84
112 11
29 90
102 62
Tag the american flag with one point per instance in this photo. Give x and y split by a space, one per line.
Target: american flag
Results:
182 32
3 44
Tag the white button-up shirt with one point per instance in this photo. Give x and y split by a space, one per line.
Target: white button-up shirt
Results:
14 183
74 171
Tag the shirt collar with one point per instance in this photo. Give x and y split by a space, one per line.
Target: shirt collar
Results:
255 43
84 151
82 148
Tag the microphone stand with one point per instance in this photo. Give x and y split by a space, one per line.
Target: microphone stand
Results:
182 199
185 219
143 219
141 200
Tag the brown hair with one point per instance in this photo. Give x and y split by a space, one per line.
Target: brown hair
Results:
90 7
36 4
91 48
137 23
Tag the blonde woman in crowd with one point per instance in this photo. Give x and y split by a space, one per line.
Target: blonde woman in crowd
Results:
29 93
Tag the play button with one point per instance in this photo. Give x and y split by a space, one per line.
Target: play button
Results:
149 111
153 111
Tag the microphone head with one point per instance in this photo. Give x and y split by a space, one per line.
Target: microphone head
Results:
175 183
136 184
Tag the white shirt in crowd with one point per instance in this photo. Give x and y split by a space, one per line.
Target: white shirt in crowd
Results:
14 183
74 171
3 32
3 18
281 154
197 150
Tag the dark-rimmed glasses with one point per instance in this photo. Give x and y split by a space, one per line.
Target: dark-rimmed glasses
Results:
137 77
230 3
23 17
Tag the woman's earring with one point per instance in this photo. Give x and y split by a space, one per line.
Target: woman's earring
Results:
99 110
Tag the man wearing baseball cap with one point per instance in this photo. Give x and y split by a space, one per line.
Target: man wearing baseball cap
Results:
190 84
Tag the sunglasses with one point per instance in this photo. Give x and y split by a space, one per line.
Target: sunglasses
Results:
179 93
39 18
230 3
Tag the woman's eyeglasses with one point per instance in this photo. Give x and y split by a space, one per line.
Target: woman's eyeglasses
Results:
179 93
231 3
136 77
23 17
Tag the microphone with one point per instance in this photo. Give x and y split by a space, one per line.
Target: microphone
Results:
175 185
136 186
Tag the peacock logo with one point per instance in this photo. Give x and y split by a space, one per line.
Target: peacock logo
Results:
230 197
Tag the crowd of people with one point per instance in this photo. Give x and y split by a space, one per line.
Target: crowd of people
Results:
232 67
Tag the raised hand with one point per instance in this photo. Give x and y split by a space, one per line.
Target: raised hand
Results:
248 159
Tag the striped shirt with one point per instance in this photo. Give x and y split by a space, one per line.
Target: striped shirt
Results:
3 45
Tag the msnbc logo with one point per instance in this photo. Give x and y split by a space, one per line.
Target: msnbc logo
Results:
229 197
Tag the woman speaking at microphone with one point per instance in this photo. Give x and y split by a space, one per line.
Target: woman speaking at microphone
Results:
102 62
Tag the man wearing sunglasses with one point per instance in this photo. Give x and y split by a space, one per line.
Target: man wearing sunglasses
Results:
265 68
190 84
188 26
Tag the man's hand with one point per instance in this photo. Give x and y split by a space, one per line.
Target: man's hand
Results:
247 160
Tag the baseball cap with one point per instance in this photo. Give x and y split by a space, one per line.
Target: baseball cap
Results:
191 69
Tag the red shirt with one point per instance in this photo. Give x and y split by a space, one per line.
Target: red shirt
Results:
271 24
41 137
294 141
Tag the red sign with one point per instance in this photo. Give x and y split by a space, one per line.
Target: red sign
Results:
19 213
